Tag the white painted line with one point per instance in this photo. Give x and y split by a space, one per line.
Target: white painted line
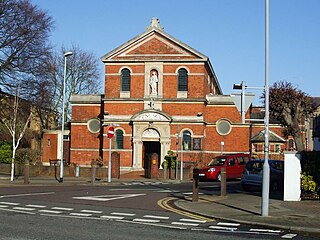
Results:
145 220
105 198
156 217
185 224
152 224
289 236
90 211
81 214
35 206
23 209
112 217
124 214
3 206
27 194
192 220
12 210
223 228
10 203
49 211
62 208
264 230
190 193
168 191
228 224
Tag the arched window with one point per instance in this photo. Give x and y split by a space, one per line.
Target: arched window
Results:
125 80
182 80
118 139
186 140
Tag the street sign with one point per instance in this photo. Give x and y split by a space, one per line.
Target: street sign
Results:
236 97
110 132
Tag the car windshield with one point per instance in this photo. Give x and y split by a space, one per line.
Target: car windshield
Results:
217 162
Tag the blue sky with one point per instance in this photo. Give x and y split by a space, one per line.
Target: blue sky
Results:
230 32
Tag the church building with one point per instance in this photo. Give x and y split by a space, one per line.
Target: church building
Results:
160 94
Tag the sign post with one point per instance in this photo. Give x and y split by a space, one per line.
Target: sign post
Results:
110 135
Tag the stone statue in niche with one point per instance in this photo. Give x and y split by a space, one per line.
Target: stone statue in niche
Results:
153 83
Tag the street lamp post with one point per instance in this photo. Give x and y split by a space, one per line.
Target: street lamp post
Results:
67 54
266 169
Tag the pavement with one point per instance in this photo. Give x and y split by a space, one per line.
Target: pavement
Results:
236 206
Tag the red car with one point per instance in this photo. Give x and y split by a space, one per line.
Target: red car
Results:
233 163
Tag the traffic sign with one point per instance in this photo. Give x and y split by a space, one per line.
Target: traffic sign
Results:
248 99
110 132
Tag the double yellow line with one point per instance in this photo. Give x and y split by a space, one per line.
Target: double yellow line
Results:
164 204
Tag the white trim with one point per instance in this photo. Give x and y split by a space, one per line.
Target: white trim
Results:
85 104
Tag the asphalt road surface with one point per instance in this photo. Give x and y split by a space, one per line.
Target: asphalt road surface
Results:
132 210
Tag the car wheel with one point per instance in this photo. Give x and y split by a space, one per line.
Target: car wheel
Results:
219 177
274 186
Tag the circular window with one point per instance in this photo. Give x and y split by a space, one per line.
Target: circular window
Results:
224 127
94 125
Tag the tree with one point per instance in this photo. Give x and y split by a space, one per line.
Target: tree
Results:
24 33
82 77
290 106
16 128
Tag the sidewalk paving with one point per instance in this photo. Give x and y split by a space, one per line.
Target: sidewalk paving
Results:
245 208
241 207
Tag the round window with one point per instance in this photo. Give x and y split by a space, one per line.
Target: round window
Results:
94 125
224 127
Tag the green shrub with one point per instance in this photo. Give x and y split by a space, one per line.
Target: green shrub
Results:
170 160
5 153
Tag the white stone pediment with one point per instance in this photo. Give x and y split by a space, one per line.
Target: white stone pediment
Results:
151 117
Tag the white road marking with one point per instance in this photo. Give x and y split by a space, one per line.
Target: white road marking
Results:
228 224
190 193
12 210
223 228
26 194
62 208
3 206
192 220
23 208
156 217
112 217
124 214
35 206
152 224
105 198
185 224
10 203
146 220
81 214
264 230
168 191
90 211
49 211
289 236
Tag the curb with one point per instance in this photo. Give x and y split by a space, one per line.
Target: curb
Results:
303 230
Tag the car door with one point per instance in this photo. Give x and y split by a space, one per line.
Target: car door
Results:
231 167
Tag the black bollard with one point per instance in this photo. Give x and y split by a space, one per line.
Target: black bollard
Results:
195 187
223 182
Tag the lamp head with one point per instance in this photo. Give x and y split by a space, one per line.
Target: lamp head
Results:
68 54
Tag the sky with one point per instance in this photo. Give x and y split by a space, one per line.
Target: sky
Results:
230 32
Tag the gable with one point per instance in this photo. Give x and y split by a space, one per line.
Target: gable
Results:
156 45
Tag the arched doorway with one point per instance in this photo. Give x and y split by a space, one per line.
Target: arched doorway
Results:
151 145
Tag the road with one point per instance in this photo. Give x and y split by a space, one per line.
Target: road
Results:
131 210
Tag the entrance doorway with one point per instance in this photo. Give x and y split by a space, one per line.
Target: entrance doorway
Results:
149 148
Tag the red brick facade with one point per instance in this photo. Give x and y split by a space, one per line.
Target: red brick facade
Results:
150 123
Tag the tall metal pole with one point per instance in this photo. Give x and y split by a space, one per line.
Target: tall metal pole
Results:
181 159
109 163
266 170
243 111
62 119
